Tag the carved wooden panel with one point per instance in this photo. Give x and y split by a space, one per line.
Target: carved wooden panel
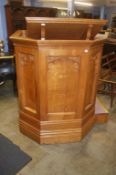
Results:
27 89
62 85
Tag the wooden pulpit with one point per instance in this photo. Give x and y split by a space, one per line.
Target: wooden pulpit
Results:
58 63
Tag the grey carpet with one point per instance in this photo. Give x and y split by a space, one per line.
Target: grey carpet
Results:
12 159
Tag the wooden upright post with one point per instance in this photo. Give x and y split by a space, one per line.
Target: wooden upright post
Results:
43 31
89 32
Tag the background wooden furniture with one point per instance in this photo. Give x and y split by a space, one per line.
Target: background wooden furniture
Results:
58 64
15 17
7 69
7 66
109 47
108 76
113 21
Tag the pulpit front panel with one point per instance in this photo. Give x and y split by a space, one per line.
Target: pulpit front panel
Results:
62 76
62 86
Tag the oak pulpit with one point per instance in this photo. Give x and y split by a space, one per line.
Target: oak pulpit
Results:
58 62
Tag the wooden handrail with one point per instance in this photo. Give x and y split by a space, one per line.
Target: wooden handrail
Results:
107 81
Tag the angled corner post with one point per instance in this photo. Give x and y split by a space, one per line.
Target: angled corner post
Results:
89 32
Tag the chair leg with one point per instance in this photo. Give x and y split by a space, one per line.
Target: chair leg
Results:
14 86
112 94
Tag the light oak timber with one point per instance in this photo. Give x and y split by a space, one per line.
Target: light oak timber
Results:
101 118
101 112
57 77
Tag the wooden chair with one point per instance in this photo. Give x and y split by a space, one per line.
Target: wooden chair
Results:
7 69
7 66
107 81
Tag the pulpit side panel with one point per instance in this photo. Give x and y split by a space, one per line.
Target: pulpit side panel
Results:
92 76
25 62
93 67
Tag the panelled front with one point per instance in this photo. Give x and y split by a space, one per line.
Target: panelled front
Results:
59 91
57 79
26 59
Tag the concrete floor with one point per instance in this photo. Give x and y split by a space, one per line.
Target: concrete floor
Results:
94 155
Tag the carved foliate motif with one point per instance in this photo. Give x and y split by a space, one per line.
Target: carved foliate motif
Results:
26 58
95 54
74 59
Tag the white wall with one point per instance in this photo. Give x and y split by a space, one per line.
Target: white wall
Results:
27 2
3 30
